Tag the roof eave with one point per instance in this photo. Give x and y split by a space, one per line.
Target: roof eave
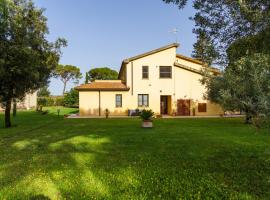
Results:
102 89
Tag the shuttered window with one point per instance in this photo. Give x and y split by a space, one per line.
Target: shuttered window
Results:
202 107
118 100
165 72
145 72
143 100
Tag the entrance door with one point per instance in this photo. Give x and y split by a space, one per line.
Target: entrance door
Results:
183 107
164 105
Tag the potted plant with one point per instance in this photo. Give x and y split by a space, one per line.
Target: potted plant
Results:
146 116
107 112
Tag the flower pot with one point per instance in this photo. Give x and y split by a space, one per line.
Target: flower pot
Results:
147 124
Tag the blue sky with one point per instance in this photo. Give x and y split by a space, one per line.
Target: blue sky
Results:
103 33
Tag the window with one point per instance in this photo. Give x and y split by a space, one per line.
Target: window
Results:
143 100
118 100
145 72
202 107
165 72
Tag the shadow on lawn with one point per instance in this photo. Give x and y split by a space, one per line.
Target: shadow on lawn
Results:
103 159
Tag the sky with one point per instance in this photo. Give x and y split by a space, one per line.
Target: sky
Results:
103 33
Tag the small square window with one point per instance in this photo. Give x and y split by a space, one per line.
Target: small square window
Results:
118 100
202 107
145 72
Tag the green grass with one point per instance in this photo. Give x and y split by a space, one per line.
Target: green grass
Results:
46 157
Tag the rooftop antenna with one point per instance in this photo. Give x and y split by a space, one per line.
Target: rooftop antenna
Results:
175 32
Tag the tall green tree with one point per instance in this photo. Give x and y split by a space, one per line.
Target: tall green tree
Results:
245 85
227 21
71 98
87 78
67 73
240 32
204 50
104 73
27 58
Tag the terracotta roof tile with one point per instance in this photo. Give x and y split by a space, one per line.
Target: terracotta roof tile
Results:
103 86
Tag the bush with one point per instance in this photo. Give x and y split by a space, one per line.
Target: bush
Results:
59 101
49 101
147 114
71 98
261 122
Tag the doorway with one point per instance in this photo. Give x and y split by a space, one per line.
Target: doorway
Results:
164 105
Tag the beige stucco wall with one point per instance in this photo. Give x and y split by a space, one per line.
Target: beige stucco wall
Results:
29 102
89 103
183 85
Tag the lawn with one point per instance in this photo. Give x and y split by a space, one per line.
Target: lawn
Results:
49 157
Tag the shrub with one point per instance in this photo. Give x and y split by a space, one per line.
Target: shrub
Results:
59 101
49 101
41 102
71 98
107 112
261 122
147 114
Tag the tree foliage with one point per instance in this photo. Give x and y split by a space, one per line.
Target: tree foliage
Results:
239 31
245 85
227 21
44 92
26 57
67 73
204 50
87 78
71 98
104 73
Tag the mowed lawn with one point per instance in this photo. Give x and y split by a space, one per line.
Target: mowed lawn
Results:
46 157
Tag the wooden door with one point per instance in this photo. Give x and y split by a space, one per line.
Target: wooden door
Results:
183 107
163 105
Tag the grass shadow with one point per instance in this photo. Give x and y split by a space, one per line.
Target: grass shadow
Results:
115 158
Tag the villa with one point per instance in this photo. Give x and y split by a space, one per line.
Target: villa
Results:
161 80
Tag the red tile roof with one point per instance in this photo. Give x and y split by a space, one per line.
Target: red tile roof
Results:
103 86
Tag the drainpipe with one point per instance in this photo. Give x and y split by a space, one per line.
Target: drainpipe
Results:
99 106
132 78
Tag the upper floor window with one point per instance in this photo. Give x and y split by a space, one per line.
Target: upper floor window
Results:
165 71
118 100
145 72
143 100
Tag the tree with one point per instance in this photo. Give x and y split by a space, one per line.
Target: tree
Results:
44 92
239 30
26 57
67 73
227 21
87 78
104 73
204 50
243 86
71 98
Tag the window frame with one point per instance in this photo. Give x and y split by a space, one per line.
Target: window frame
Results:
143 72
116 101
143 100
165 72
202 107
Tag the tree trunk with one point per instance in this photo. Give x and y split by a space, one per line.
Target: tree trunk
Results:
64 90
248 119
7 114
14 107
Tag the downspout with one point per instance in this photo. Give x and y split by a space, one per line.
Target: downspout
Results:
132 78
99 106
